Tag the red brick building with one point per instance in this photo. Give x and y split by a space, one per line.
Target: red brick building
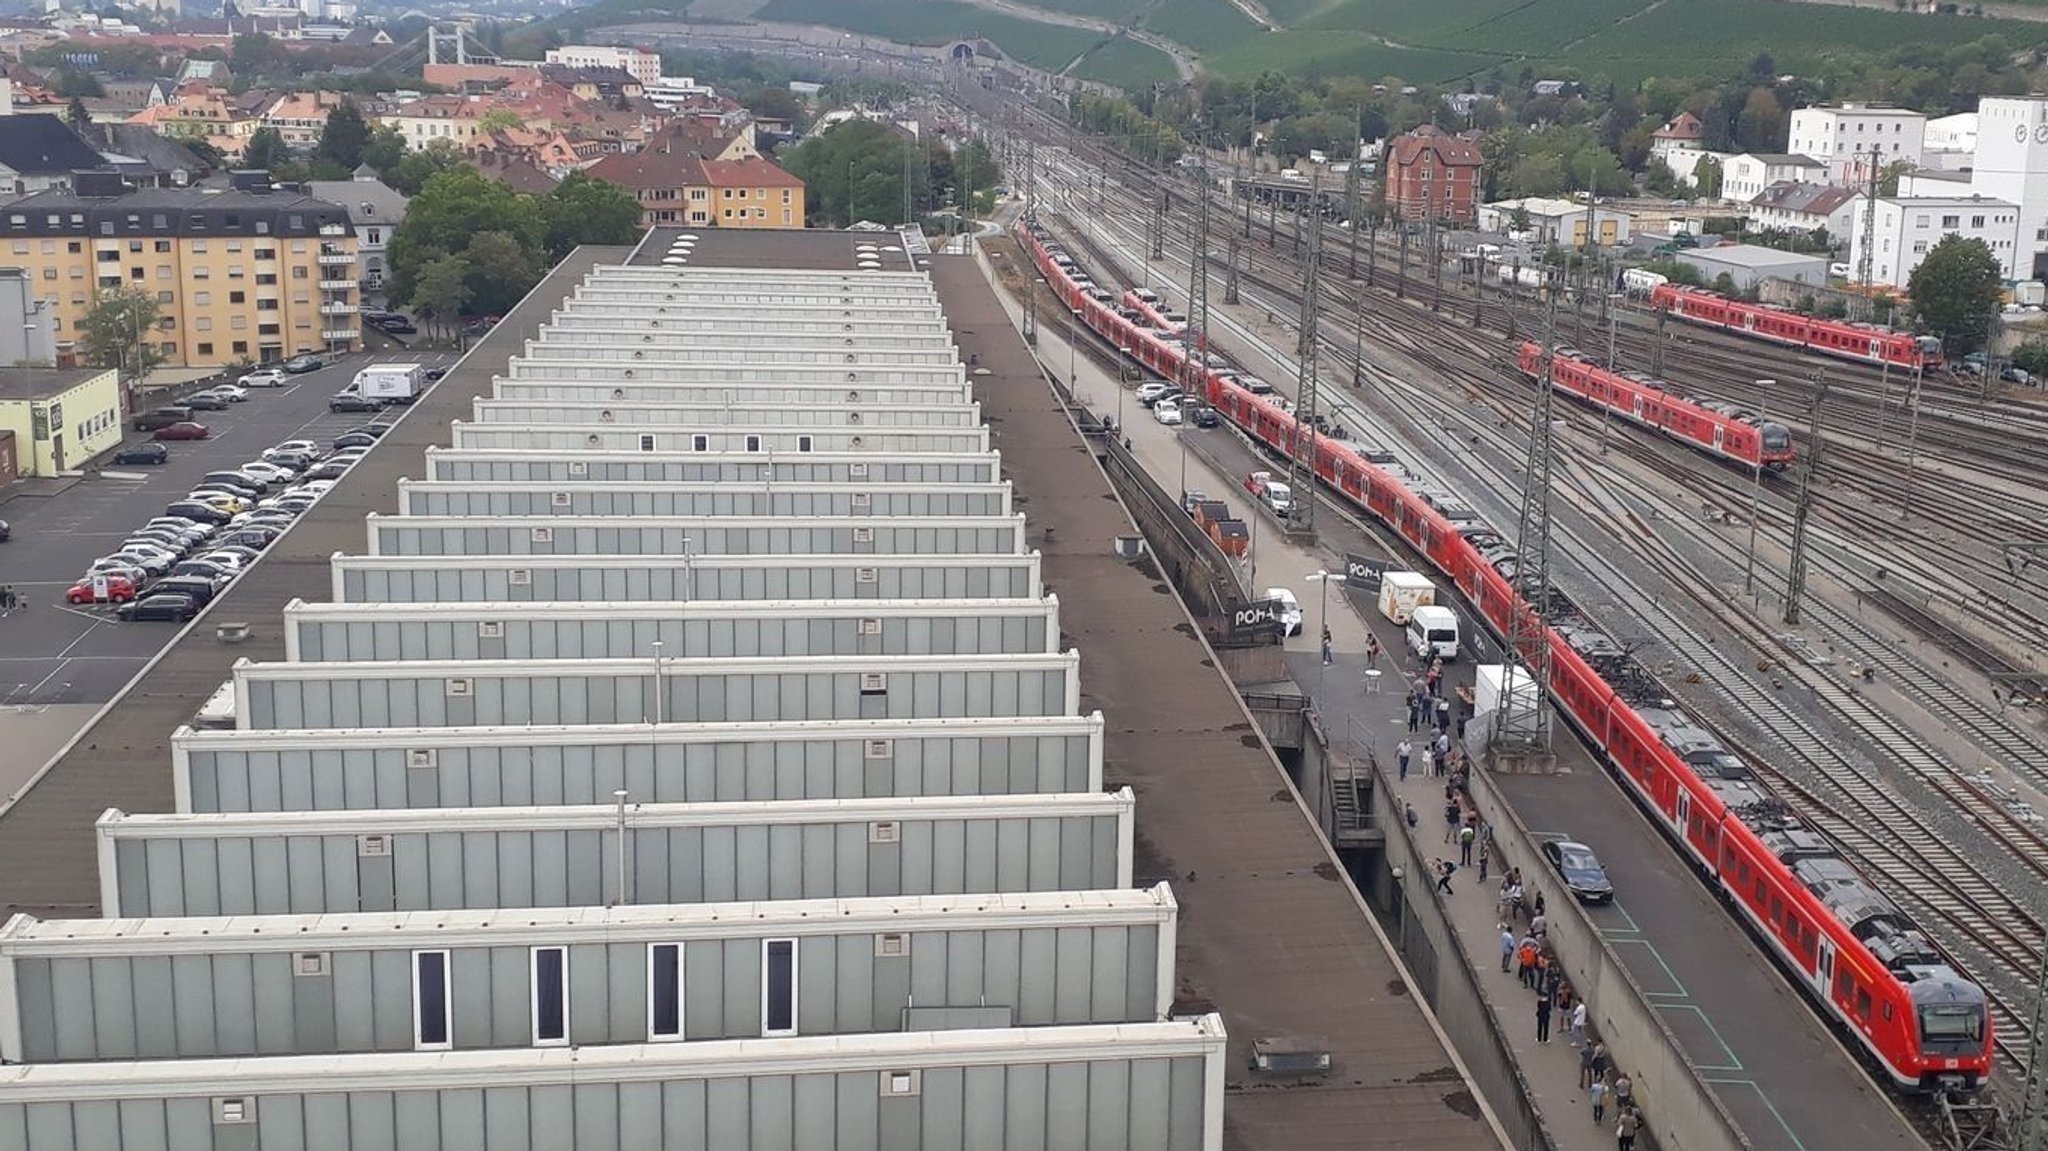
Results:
1434 176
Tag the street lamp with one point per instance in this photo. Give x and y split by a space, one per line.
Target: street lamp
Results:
1325 578
1756 486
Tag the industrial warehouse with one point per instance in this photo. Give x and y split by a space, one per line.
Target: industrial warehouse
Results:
681 745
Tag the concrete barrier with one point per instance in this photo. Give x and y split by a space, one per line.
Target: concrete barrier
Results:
1680 1111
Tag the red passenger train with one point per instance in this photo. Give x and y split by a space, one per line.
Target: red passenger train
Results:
1714 427
1844 943
1866 343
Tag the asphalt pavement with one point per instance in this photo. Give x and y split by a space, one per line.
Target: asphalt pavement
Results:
57 656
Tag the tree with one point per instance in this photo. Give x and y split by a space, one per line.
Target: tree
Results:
344 136
117 331
1706 176
77 116
266 150
441 290
501 270
582 210
415 169
1956 292
499 119
384 149
453 209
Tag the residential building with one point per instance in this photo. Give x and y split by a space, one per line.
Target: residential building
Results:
2012 165
1683 131
1684 161
300 116
1431 175
517 173
1794 207
1561 222
1844 136
145 156
457 119
199 111
1745 175
593 83
642 65
1747 265
1950 143
376 210
1902 230
676 185
28 326
244 273
41 152
59 418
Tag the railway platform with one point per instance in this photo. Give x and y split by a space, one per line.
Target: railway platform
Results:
1770 1061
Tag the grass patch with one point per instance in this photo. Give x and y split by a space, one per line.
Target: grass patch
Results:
1048 46
1127 64
1205 25
1342 53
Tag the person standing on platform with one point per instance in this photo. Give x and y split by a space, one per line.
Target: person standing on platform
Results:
1414 712
1597 1092
1543 1019
1450 820
1579 1025
1625 1129
1372 650
1587 1078
1402 751
1624 1092
1443 714
1414 820
1466 836
1507 946
1326 646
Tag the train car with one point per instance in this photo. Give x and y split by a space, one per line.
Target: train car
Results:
1152 310
1641 282
1848 948
1726 431
1845 339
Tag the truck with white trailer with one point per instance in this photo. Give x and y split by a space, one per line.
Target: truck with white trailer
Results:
391 383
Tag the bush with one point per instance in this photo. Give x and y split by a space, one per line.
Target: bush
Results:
2032 356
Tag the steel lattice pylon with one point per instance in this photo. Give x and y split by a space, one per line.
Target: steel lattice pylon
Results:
1195 341
1301 457
1521 721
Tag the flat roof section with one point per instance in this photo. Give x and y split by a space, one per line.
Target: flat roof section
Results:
122 758
41 383
1273 937
809 248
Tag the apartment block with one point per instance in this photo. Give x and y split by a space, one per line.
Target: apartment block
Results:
243 273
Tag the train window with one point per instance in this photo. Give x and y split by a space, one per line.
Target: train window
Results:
1863 1004
1759 889
1843 983
1777 908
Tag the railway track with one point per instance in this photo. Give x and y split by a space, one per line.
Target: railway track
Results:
1896 843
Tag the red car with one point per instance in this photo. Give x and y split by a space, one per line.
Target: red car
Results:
120 589
184 430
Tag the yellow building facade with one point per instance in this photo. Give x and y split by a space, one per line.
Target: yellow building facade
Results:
238 275
60 418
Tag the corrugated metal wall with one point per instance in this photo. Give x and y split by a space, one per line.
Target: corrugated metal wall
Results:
574 499
394 536
659 415
672 470
540 867
877 577
578 694
594 437
794 634
529 775
133 1005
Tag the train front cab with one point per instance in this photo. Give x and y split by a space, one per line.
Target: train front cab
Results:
1952 1022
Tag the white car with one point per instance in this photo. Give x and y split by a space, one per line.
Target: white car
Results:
228 560
1147 392
230 393
1290 609
268 472
263 378
1166 412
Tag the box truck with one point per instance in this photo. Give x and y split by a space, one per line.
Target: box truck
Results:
391 383
1402 592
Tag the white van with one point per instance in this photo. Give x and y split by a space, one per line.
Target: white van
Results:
1433 633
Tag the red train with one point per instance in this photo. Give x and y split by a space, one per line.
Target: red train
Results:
1866 343
1716 428
1847 946
1152 310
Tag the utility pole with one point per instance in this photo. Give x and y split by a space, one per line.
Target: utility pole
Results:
1351 191
1401 276
1868 256
1030 220
1195 357
1521 720
2030 1128
1155 233
1795 579
1230 271
1301 455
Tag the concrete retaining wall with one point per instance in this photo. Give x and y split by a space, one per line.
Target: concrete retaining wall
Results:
1681 1112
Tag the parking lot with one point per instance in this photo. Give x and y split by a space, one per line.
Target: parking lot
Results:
54 655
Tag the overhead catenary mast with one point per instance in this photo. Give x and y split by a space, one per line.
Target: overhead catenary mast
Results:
1301 457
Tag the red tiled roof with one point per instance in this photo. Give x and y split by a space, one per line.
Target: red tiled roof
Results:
1453 151
652 168
752 172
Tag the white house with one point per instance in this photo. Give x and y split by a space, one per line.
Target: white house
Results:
642 65
1795 207
1950 143
1843 136
1684 160
1904 229
2012 165
375 211
1561 222
1744 176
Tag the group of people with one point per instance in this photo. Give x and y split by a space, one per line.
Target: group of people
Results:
1442 753
10 599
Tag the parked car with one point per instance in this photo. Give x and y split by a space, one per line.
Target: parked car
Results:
226 549
226 503
113 567
350 402
230 393
152 560
157 418
302 447
300 364
264 378
395 325
1580 869
268 472
205 569
377 428
237 479
1206 417
1151 390
200 588
6 531
184 430
330 470
253 537
435 374
355 439
146 452
206 402
195 510
1166 412
104 589
166 607
1290 609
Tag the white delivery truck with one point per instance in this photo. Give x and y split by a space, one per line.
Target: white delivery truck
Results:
1433 632
391 383
1402 592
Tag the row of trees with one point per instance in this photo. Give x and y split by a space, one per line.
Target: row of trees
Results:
857 171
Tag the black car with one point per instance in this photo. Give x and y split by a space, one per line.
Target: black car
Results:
205 402
395 326
237 480
196 512
1580 870
256 537
298 365
435 374
200 589
331 470
353 403
204 569
146 452
355 439
160 607
1206 417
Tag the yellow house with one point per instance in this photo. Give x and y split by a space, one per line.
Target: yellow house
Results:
60 418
